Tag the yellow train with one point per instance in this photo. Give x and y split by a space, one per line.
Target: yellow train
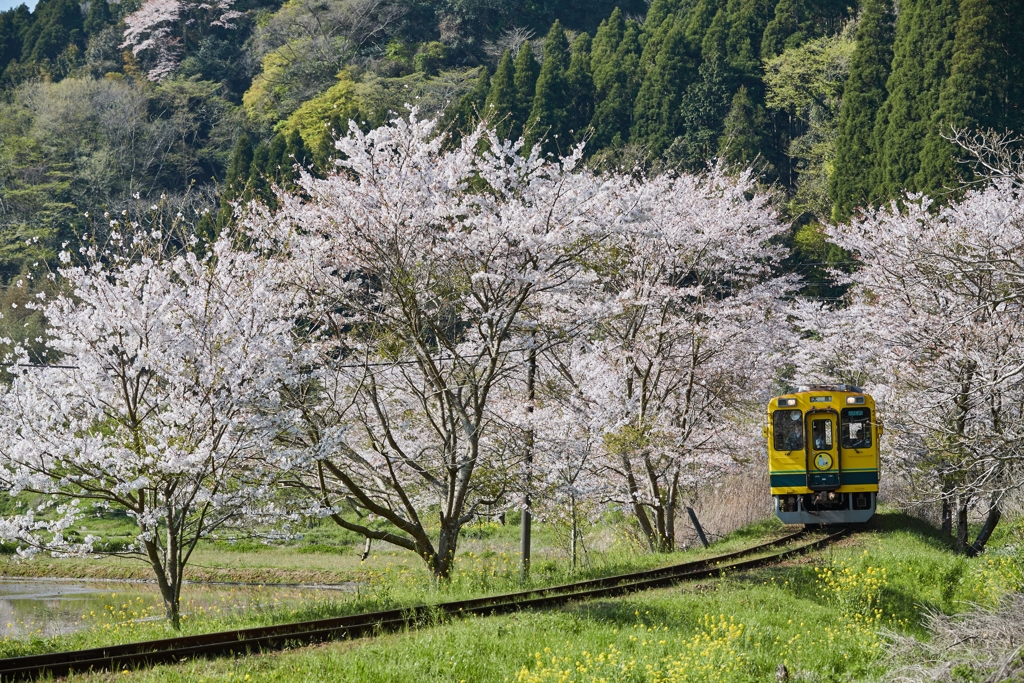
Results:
823 455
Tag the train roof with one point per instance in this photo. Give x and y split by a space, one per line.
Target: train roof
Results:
847 388
813 394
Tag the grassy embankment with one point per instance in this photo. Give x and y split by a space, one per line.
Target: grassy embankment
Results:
821 615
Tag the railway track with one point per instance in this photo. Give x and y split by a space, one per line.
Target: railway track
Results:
147 653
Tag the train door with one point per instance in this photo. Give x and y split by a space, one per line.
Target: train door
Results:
822 451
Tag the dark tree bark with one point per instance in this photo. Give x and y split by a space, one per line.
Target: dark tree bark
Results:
994 514
947 518
961 526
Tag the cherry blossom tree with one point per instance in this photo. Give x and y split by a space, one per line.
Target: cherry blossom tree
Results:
162 364
568 477
159 29
418 266
695 326
935 322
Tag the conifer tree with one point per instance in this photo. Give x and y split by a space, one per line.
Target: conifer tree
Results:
56 24
629 54
615 83
605 44
501 108
549 118
99 17
658 13
1011 19
277 157
698 22
235 181
651 39
238 170
921 58
785 29
656 115
973 94
478 95
863 95
297 153
713 45
13 24
258 187
747 22
580 88
207 232
706 101
741 140
525 81
324 153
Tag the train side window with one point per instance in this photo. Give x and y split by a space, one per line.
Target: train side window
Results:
821 434
788 428
856 429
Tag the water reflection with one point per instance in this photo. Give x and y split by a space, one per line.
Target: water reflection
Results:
46 607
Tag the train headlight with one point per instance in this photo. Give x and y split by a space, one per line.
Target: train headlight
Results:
787 401
854 399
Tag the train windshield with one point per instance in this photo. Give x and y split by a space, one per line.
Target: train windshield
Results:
856 428
788 428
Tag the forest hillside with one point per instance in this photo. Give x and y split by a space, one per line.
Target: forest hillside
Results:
188 106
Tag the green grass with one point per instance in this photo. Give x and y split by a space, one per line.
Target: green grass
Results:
821 615
320 554
485 565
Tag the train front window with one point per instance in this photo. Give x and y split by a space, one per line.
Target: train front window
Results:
856 428
788 427
821 434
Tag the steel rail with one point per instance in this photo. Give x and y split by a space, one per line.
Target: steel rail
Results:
243 641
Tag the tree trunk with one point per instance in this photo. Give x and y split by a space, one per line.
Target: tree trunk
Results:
441 563
638 508
662 537
947 518
661 529
170 587
648 530
174 613
961 526
573 531
994 514
670 528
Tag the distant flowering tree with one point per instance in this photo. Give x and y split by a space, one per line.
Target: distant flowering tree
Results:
166 362
159 30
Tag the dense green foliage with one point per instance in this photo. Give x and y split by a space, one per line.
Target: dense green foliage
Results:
838 103
865 93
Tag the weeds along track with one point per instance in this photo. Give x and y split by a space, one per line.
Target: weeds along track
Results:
249 640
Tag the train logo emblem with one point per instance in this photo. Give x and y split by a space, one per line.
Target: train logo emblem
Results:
823 461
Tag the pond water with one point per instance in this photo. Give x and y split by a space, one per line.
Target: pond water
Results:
47 607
